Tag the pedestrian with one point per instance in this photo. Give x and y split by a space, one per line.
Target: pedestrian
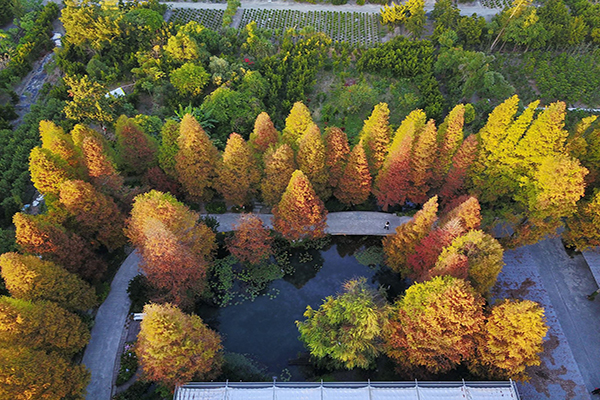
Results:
591 297
387 225
596 391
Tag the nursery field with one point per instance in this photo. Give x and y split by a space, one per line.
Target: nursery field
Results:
351 27
496 3
209 18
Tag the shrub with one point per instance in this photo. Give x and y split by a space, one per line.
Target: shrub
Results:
216 207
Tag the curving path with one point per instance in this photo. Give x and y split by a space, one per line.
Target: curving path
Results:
101 353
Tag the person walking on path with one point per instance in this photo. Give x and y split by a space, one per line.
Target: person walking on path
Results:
387 225
596 391
591 297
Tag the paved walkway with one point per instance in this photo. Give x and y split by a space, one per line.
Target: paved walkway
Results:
338 223
101 353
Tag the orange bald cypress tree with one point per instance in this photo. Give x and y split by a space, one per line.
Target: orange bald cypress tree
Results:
54 139
435 325
174 348
392 184
455 182
29 278
450 134
355 185
196 160
176 217
136 150
375 135
512 340
296 124
238 175
251 241
399 246
36 234
311 160
34 374
279 167
300 214
422 161
468 213
171 266
263 136
337 151
97 215
48 171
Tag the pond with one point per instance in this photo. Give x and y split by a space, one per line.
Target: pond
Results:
265 329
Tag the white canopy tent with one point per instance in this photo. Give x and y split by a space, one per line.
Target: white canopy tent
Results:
505 390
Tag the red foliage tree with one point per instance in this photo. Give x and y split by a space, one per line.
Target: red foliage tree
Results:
38 235
355 184
264 135
422 161
454 186
97 215
392 184
137 151
337 151
251 241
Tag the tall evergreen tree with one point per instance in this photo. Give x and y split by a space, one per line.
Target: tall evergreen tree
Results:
196 160
355 185
311 160
300 214
168 148
337 151
375 135
238 175
263 136
296 124
279 167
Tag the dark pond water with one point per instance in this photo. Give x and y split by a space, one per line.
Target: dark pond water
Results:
265 328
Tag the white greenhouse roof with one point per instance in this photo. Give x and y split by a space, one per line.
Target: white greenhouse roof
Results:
348 391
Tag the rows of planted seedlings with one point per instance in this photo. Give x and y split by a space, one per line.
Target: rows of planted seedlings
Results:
209 18
353 27
496 3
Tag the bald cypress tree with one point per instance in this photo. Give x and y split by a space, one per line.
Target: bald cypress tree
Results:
279 166
136 150
375 135
337 151
456 179
168 147
296 124
196 160
263 136
450 136
355 185
238 176
48 170
300 214
311 160
423 159
54 139
399 246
